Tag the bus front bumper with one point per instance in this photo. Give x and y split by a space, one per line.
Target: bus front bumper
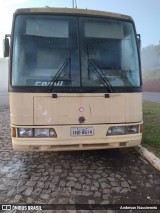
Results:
21 144
65 142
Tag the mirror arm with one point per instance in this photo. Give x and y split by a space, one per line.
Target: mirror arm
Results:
139 41
7 36
6 45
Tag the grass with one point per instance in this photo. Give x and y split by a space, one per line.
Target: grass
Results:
151 130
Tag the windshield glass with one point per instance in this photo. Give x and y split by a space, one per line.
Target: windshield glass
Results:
66 51
109 45
43 47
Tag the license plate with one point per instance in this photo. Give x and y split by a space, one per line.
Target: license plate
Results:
88 131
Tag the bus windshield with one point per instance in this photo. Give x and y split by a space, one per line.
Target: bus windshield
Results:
68 51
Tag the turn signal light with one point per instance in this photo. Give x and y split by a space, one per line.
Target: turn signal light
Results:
13 132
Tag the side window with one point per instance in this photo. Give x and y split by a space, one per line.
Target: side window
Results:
127 54
130 67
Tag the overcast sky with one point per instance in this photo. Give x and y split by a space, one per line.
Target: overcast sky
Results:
146 14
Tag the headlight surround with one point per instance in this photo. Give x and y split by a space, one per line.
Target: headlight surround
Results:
37 132
122 130
25 132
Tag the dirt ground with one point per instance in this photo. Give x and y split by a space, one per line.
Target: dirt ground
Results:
151 86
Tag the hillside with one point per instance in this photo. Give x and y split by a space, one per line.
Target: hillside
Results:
150 57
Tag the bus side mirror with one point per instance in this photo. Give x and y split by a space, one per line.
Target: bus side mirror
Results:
139 41
6 46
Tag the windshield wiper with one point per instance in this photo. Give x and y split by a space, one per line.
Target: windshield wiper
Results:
59 72
100 74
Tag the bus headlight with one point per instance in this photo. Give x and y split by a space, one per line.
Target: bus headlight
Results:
116 130
122 130
25 132
45 133
37 132
132 129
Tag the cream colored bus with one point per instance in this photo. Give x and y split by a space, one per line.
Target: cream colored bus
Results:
75 80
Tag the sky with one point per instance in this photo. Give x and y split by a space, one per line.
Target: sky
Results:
146 14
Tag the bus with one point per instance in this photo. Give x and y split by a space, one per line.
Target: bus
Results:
74 80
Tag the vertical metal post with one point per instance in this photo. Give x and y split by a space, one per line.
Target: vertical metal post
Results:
74 3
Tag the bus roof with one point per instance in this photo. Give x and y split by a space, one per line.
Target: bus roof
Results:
72 11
